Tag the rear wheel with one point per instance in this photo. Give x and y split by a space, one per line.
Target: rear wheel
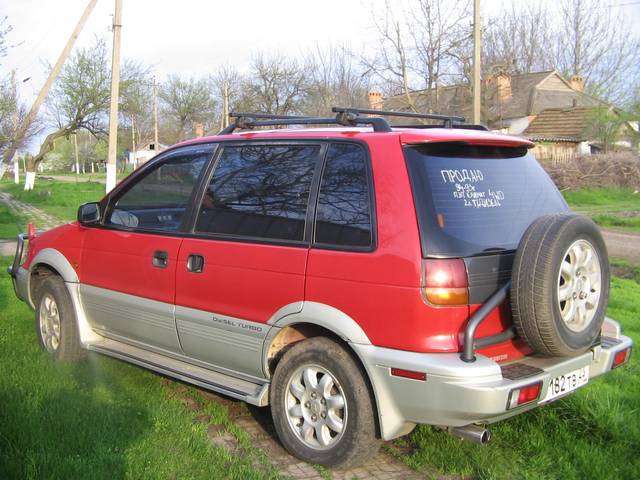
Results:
56 325
322 406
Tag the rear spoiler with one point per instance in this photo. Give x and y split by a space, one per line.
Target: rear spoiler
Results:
462 137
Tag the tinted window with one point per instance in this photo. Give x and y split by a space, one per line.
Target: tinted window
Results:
158 200
468 206
259 191
343 216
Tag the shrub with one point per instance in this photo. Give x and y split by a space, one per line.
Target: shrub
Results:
607 170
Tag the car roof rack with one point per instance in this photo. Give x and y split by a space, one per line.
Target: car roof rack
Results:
345 116
348 119
448 120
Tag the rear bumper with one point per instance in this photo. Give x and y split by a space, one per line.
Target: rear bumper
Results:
456 393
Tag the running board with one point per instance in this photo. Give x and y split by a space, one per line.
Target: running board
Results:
253 393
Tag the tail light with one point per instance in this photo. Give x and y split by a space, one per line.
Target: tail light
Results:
446 281
621 357
523 395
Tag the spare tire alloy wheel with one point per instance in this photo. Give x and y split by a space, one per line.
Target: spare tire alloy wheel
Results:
316 407
579 285
560 285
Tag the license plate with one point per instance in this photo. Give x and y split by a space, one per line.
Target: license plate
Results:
563 384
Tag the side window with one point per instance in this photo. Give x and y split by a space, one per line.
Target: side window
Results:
343 216
158 200
259 191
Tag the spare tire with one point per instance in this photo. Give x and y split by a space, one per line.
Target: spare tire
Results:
560 284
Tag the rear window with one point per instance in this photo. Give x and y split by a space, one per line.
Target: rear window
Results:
475 200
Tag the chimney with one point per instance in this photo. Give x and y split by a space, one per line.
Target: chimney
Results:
503 86
199 128
376 101
577 83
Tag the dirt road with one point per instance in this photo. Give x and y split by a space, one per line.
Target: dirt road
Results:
624 245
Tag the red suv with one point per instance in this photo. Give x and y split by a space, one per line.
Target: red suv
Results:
359 278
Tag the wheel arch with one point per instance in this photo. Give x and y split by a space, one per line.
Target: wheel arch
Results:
49 261
316 319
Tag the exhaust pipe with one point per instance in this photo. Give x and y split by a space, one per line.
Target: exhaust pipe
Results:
471 433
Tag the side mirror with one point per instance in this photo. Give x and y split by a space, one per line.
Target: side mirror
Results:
89 213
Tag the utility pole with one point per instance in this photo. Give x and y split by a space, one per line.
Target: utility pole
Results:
155 115
28 120
115 94
75 144
476 61
225 104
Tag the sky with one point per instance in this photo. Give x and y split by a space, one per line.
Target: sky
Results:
189 37
193 37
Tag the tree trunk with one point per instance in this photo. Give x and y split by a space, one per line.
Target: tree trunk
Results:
30 176
16 170
133 142
46 147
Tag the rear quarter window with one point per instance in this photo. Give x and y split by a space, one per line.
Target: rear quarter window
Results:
471 201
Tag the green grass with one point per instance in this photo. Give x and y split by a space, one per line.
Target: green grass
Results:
606 206
594 433
623 269
60 199
608 199
11 223
100 418
617 221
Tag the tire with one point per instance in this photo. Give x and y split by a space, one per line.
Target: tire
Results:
56 325
560 285
334 368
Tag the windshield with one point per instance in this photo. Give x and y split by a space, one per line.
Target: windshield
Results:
475 200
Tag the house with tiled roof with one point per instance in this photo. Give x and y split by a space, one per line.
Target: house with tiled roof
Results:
543 106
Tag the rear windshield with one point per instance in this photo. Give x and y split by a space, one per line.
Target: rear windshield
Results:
475 200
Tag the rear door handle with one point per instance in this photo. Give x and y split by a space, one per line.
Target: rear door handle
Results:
195 263
160 259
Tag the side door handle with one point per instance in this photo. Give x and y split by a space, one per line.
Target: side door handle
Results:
195 263
160 259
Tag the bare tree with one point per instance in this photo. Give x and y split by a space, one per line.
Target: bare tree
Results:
599 45
136 102
421 47
519 39
234 81
275 84
334 78
5 29
12 114
187 102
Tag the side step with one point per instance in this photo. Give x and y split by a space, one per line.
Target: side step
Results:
253 393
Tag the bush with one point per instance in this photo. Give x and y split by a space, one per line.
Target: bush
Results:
607 170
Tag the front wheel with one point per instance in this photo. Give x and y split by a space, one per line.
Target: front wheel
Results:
56 324
322 407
